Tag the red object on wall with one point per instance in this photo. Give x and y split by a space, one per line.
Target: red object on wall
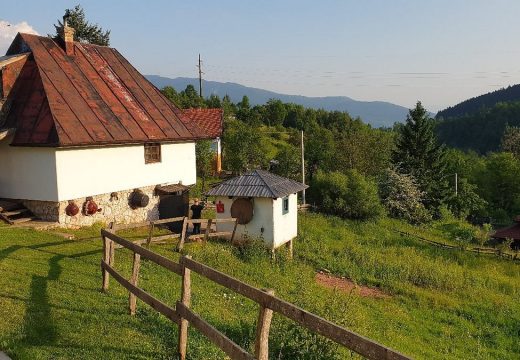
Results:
72 209
220 207
90 207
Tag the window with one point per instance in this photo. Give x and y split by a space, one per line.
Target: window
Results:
152 153
285 204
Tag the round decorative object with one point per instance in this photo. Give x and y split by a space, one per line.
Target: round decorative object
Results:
72 209
90 208
242 210
138 199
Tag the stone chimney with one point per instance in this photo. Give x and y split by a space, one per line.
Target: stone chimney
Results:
67 35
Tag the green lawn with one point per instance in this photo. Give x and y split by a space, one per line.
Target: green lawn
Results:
443 304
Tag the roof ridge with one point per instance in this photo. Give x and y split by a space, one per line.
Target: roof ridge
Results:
265 183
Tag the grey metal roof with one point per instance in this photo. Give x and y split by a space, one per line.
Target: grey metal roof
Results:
257 183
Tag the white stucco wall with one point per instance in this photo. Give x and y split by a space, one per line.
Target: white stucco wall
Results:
91 171
279 228
285 225
27 173
50 174
262 218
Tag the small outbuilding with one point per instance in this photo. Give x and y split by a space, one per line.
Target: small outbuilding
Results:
265 205
511 232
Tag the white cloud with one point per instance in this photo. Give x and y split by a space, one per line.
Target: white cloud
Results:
8 31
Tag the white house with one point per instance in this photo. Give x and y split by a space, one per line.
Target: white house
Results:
84 137
265 205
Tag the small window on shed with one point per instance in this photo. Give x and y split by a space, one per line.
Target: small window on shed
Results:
152 153
285 204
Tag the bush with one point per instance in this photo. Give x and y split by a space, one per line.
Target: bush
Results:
402 198
348 195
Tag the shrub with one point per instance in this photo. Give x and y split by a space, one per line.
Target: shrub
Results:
402 198
348 195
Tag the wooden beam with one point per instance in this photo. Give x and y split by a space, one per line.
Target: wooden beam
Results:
208 230
155 303
180 244
158 259
227 345
170 220
132 300
185 300
262 331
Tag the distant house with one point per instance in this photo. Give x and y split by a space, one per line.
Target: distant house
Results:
84 137
265 205
211 121
510 232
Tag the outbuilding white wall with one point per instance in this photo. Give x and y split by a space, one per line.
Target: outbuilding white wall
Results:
278 228
50 174
27 173
92 171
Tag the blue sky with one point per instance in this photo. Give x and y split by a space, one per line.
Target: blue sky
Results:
439 52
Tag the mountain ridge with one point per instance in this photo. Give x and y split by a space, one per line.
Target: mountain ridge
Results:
375 113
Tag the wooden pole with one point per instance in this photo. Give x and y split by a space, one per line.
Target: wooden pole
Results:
290 248
185 300
132 299
106 257
303 170
150 234
200 77
208 229
180 245
234 231
262 331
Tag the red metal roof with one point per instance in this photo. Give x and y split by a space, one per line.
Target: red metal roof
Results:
94 97
511 232
209 120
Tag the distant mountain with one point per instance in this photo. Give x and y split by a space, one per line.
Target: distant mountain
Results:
376 113
473 105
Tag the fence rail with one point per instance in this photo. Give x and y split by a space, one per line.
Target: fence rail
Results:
182 315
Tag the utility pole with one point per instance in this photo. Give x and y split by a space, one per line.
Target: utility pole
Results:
200 76
303 169
456 184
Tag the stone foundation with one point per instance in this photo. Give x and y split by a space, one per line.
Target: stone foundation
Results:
112 208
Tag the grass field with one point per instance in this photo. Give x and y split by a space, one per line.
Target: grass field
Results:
442 303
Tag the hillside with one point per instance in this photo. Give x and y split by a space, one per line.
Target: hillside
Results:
375 113
481 131
473 105
433 304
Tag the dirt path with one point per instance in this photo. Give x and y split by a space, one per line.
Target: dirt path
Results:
348 286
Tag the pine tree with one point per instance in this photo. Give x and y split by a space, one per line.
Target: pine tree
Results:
84 31
418 154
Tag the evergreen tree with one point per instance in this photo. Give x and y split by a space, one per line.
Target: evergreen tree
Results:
511 141
84 31
418 154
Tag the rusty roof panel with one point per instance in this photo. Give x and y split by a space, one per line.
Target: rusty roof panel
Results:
94 97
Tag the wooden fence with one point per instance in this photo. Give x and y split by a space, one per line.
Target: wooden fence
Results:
182 315
183 235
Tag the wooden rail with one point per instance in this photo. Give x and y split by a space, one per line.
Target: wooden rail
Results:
183 316
183 236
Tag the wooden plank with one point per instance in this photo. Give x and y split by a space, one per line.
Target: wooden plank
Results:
180 245
227 345
165 237
208 230
224 220
221 233
150 234
262 331
170 220
106 256
155 303
197 221
185 300
234 231
353 341
132 300
158 259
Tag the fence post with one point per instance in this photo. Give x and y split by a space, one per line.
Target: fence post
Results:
132 299
208 229
106 257
185 299
234 231
150 234
180 245
262 331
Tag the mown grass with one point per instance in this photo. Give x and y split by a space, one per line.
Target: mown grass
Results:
443 304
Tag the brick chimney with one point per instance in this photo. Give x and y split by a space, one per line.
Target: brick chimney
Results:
67 35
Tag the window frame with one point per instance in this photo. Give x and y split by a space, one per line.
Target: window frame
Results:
285 205
152 153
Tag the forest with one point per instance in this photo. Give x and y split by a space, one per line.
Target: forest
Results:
359 172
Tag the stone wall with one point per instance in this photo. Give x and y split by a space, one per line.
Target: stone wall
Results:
112 208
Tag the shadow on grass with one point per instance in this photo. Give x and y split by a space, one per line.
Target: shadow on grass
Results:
8 251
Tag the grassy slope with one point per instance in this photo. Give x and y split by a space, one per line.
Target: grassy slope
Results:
445 304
